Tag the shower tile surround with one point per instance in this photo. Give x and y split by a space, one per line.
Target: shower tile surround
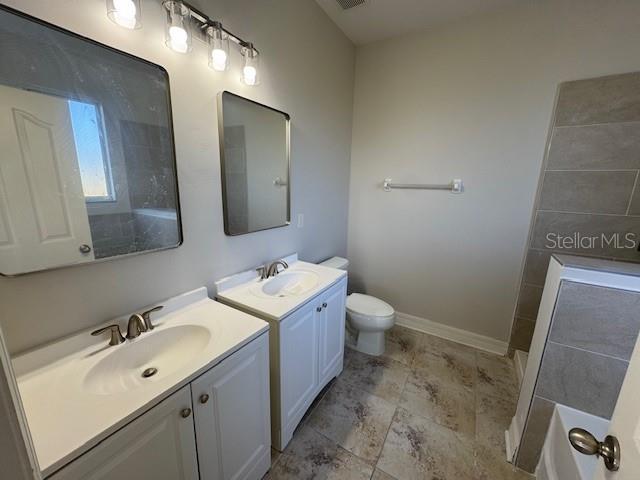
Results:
584 360
589 184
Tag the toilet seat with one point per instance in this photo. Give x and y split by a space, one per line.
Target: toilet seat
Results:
368 306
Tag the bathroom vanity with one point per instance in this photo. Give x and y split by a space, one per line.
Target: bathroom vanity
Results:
305 308
203 414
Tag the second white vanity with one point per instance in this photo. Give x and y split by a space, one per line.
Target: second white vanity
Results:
188 399
305 307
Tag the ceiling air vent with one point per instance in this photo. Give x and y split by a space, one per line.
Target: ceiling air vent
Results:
347 4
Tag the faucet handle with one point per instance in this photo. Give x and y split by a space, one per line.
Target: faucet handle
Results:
116 336
146 316
262 271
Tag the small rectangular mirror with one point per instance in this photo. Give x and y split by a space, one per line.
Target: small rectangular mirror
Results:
88 166
254 155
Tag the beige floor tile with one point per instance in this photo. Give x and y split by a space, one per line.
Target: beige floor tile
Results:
497 376
492 465
380 376
380 475
441 400
312 456
419 449
493 416
452 362
353 418
439 345
401 344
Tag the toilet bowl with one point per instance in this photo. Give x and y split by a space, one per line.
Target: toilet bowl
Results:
368 316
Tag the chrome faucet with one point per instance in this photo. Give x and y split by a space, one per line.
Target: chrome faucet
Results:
272 271
138 323
135 326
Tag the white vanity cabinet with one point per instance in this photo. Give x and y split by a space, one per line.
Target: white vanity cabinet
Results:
158 445
231 408
307 351
218 425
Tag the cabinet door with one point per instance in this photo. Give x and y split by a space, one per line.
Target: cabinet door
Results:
231 405
159 445
331 326
298 367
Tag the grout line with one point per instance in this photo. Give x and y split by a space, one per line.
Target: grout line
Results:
590 255
590 351
633 192
627 122
590 170
568 212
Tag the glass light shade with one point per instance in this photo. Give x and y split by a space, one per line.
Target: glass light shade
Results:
218 47
125 13
251 63
177 31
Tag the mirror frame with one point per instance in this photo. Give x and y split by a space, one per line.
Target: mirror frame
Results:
165 73
223 176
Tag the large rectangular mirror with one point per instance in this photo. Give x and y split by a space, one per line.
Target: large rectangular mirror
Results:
254 152
88 165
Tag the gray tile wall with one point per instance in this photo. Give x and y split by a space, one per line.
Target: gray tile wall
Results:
591 338
589 185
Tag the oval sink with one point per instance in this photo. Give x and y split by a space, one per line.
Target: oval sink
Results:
288 284
150 358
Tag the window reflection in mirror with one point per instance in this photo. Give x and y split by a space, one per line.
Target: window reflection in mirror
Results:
88 165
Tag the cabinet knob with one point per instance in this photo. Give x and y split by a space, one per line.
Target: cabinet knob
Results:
204 398
324 305
185 412
319 309
84 249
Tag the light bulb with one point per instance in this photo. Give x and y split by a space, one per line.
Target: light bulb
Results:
251 62
219 59
124 13
179 38
177 29
250 75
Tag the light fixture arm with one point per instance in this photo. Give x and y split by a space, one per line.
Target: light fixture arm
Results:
203 22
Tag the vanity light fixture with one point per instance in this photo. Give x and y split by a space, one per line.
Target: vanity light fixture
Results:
125 13
177 29
218 47
251 62
182 18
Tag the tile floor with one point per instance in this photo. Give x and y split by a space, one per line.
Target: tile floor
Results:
429 409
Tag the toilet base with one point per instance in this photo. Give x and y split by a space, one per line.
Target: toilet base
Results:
371 343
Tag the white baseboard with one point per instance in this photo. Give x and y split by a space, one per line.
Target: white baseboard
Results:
458 335
520 360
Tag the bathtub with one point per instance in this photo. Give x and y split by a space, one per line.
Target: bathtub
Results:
559 460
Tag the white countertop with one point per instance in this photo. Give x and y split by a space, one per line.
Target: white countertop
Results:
239 290
66 418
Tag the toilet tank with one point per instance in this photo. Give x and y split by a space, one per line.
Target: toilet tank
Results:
336 262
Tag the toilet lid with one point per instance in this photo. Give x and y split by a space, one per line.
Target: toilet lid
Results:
368 305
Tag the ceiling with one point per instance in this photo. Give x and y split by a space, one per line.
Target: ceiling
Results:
379 19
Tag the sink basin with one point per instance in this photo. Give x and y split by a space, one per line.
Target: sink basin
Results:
154 354
288 284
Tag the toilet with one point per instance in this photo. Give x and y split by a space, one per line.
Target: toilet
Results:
368 316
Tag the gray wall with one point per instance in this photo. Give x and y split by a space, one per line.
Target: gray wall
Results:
306 70
584 361
588 187
469 100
